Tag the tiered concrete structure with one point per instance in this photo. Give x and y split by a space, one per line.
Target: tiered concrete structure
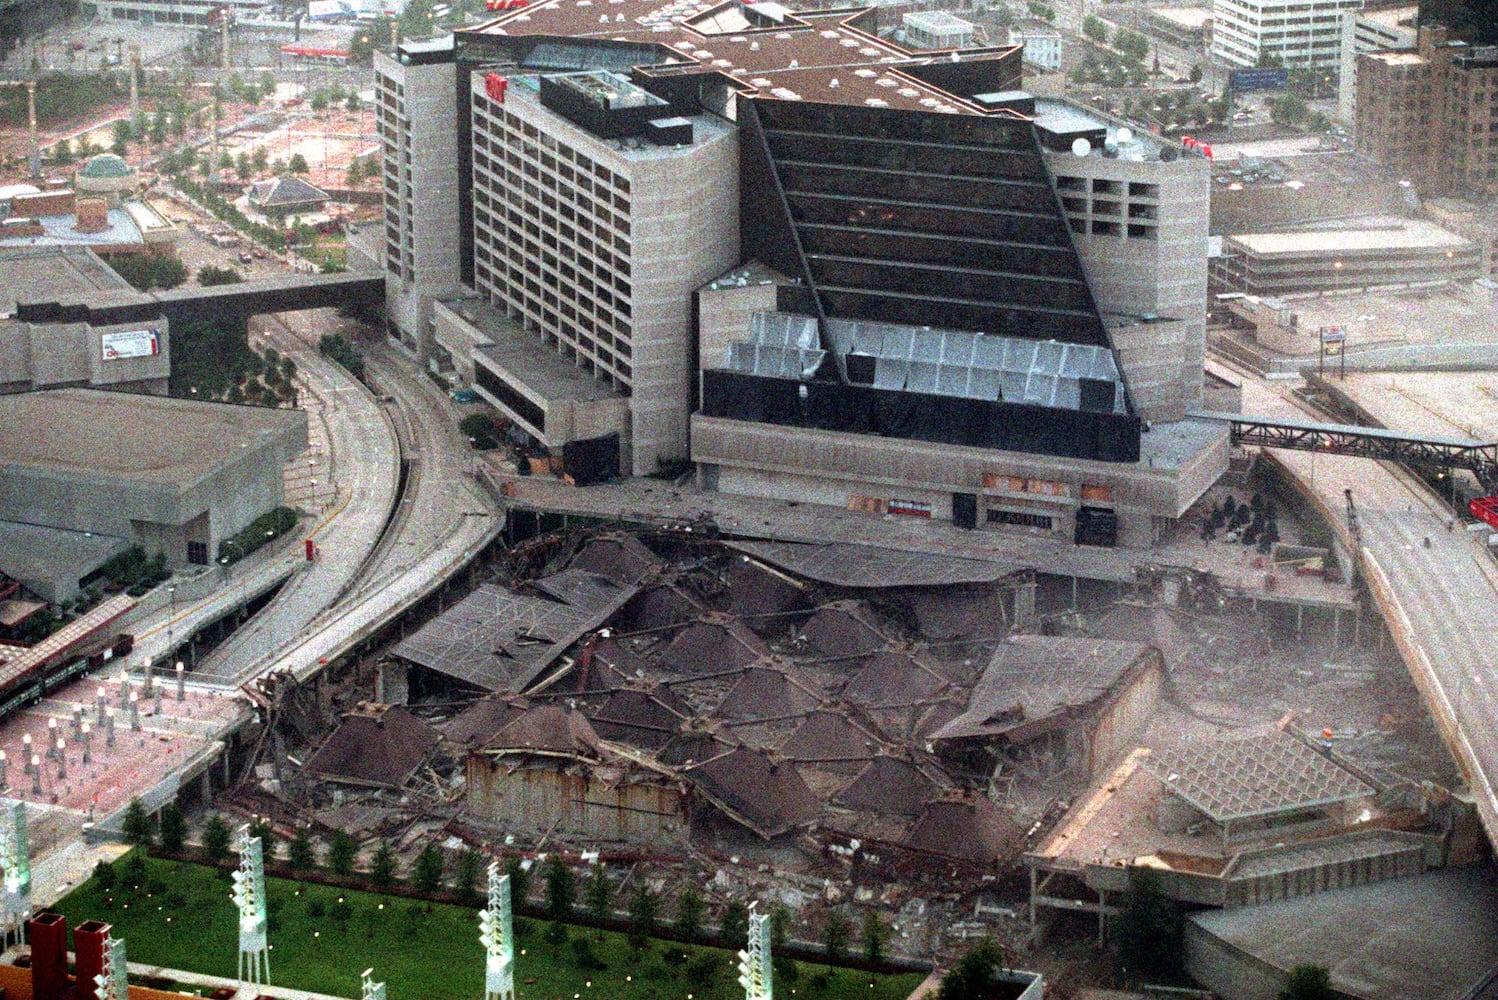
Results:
1385 27
611 163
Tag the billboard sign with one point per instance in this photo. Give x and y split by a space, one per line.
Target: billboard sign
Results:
1242 81
129 344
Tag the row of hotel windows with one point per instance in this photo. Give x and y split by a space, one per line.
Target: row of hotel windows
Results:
552 243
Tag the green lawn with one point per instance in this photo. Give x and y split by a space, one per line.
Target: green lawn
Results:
180 917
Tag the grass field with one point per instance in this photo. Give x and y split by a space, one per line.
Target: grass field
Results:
179 916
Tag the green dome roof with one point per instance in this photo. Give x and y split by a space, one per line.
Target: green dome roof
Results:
106 165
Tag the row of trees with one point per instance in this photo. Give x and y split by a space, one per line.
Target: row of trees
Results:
563 896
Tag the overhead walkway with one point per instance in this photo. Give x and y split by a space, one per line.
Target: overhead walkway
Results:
1479 457
283 293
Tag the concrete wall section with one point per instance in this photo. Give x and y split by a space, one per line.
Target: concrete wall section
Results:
847 470
1122 718
597 803
416 107
1140 227
1229 971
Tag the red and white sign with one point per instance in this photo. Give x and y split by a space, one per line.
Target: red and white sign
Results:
129 344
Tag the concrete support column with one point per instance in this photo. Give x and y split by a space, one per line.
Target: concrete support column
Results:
392 683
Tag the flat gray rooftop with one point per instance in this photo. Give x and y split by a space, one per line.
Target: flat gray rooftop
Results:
37 552
1172 445
130 437
1433 936
522 355
35 273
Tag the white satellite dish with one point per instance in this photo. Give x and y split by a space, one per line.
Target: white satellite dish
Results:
1125 135
1080 147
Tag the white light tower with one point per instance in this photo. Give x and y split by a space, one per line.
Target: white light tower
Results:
113 982
249 899
372 989
754 961
497 933
15 859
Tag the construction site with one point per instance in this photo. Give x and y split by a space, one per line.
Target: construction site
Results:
969 744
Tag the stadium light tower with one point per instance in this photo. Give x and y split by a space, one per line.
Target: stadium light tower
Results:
755 973
371 989
15 860
249 899
497 934
113 981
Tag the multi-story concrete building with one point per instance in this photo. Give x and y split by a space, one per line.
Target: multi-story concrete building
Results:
1042 44
414 115
1303 33
188 13
1414 252
1388 27
618 172
1431 115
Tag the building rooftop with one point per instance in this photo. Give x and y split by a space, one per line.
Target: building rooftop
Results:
1254 776
1398 58
1433 935
1413 234
1391 15
37 273
1189 17
281 192
128 437
765 49
106 165
520 353
37 552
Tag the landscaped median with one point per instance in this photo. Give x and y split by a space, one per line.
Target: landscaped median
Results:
178 915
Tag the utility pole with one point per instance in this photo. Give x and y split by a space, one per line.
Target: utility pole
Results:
134 83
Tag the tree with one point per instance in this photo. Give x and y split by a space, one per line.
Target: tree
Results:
466 877
121 135
355 175
158 128
734 924
1309 982
268 839
297 164
1195 76
1095 28
382 866
644 911
561 890
520 876
352 102
875 934
689 909
172 828
835 936
341 852
104 875
210 275
427 875
1288 110
1148 934
976 974
216 839
260 159
62 153
300 854
1040 10
243 168
318 101
598 892
138 828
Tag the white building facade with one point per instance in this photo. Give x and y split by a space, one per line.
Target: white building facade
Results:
1297 33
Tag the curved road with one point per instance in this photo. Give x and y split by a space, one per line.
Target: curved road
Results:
364 466
1437 587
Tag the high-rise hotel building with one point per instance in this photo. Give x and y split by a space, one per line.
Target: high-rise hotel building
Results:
816 263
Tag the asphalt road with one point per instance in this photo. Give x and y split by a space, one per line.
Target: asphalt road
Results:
365 467
1443 587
